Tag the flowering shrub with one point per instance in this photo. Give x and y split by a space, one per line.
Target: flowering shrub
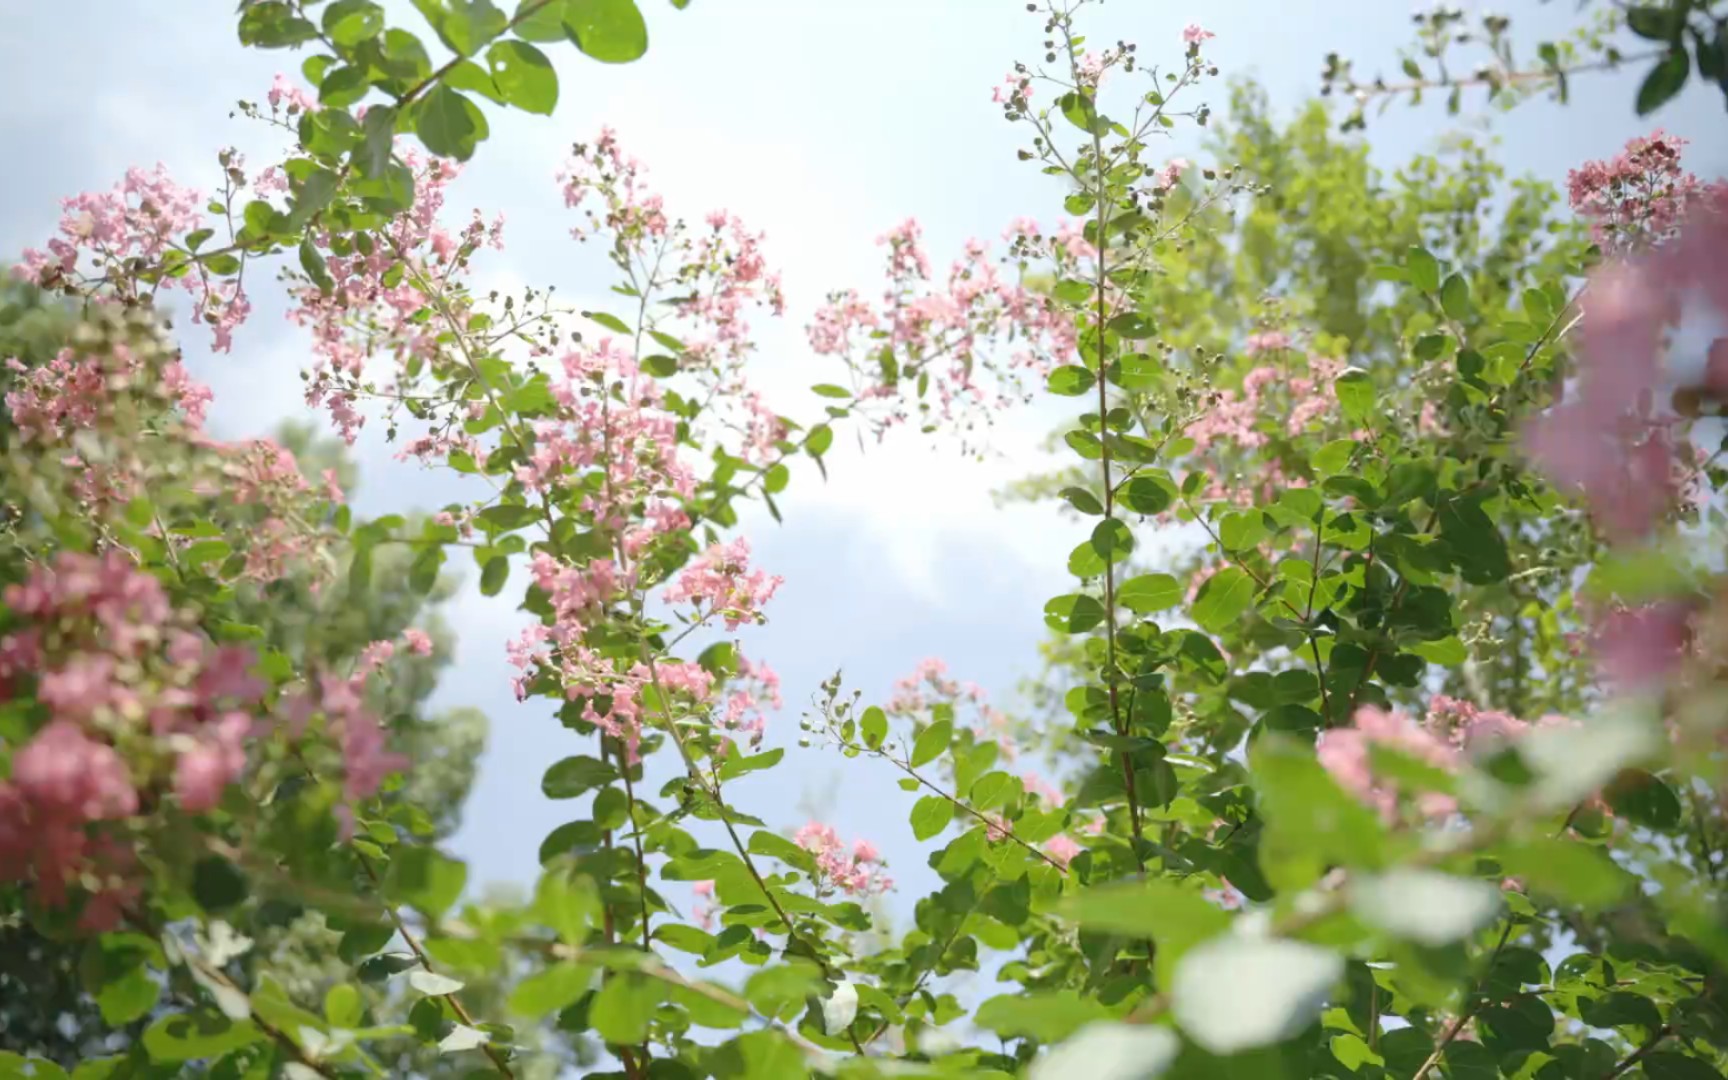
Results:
1413 767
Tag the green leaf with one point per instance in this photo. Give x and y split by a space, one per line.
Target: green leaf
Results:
1644 798
873 726
1082 500
1110 1051
1174 918
1425 906
545 23
1311 821
576 774
1663 81
1567 870
1144 495
1044 1015
1133 326
829 390
1355 392
995 789
449 124
433 984
1455 297
1424 269
272 24
1223 599
930 815
609 321
1071 381
737 765
493 575
776 989
509 515
773 845
1149 592
547 991
217 884
193 1036
932 743
1073 614
423 573
342 1006
128 997
1112 540
425 878
1235 993
349 22
611 31
524 76
621 1012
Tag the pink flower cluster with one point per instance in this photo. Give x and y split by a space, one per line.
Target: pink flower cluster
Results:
720 581
263 474
1015 90
361 740
60 404
715 276
1063 848
286 94
123 681
378 291
858 872
1451 730
611 424
112 233
1290 402
1640 197
754 690
975 323
929 685
1612 437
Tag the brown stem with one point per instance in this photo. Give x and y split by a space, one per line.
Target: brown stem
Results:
419 952
215 975
1471 1008
1641 1053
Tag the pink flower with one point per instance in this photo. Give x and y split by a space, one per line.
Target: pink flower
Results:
283 91
859 873
68 775
1062 848
418 641
218 757
720 580
1193 34
1343 752
1642 645
1170 174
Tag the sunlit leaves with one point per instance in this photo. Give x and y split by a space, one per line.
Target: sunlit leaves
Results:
1102 1051
449 124
611 31
575 775
1149 592
1423 268
1223 599
1425 906
1235 993
1074 614
524 76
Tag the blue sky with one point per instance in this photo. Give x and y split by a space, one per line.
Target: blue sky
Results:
823 123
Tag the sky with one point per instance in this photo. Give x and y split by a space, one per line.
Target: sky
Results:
824 124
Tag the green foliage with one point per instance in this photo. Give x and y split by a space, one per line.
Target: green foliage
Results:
1318 373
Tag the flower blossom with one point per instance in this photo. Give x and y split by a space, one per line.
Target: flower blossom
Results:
858 872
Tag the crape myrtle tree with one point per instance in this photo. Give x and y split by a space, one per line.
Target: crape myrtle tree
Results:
1415 773
47 1008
